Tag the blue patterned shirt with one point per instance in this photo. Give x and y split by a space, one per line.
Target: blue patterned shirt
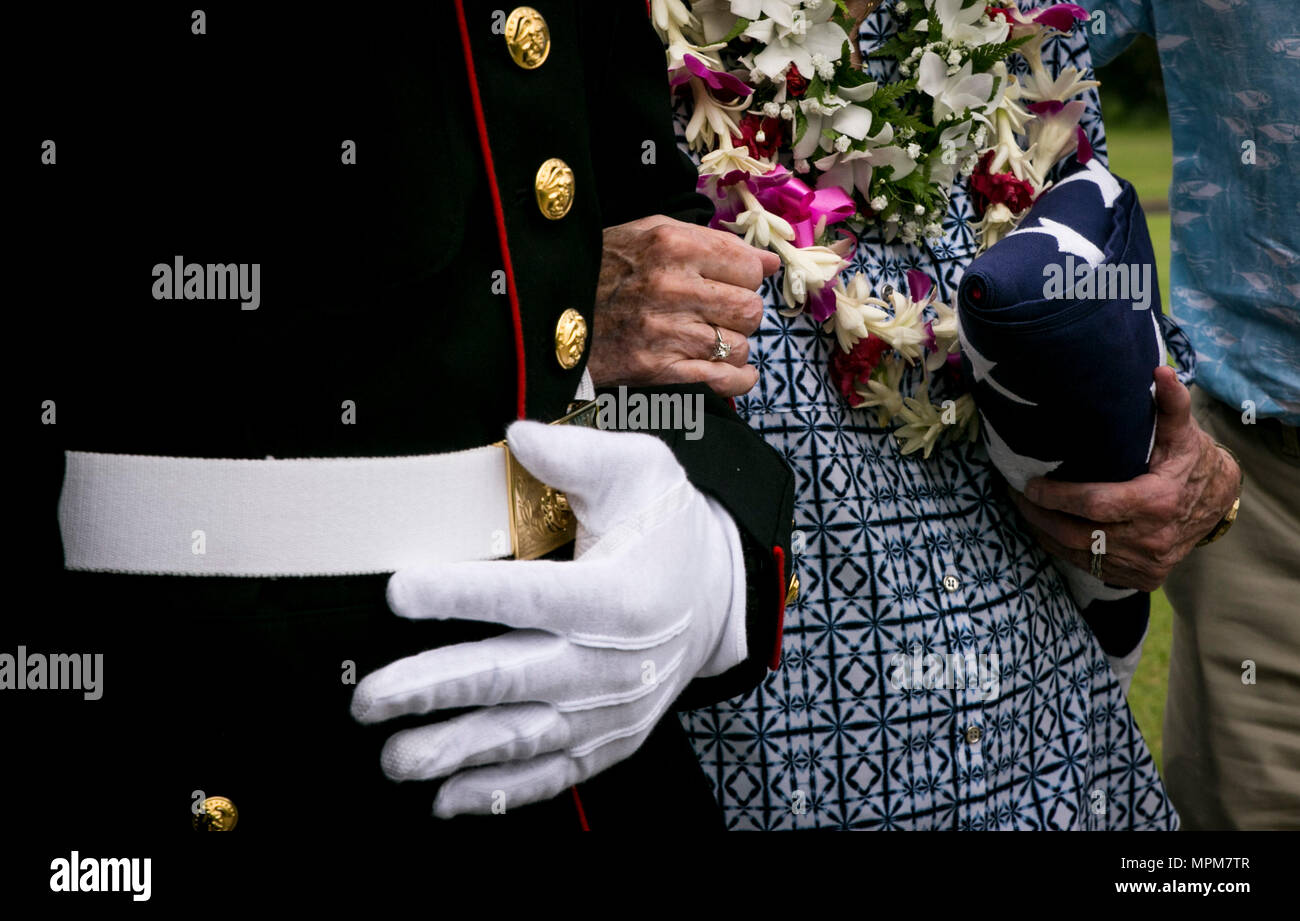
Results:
902 558
1232 74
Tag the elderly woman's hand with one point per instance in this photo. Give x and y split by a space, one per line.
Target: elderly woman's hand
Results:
664 287
1150 522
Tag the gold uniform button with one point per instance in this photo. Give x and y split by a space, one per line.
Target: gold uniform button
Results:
554 187
219 814
527 37
974 734
570 338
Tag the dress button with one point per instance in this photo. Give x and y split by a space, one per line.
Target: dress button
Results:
974 734
219 814
570 338
554 186
951 583
527 37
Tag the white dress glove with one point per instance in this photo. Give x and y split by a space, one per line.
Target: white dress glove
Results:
602 645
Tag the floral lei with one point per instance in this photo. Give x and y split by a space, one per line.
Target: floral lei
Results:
796 140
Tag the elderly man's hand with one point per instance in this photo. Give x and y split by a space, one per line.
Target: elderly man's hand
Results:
1150 522
662 282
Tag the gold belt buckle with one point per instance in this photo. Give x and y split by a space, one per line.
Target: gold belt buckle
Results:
540 517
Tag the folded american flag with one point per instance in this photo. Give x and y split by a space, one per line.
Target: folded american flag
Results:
1060 328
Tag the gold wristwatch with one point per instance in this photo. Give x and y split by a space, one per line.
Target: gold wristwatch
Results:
1226 521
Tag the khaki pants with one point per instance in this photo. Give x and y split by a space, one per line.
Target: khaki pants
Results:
1232 748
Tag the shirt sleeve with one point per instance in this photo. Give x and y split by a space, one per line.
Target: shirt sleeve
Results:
1113 25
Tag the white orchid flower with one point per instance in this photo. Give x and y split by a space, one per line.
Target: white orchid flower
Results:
970 25
837 112
781 11
807 270
853 168
953 94
716 18
953 143
810 33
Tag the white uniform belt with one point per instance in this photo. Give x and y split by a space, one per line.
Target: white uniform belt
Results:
314 516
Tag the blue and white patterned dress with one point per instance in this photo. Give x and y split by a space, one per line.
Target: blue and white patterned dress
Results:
828 741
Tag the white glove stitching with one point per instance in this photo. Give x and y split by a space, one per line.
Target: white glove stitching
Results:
601 641
624 697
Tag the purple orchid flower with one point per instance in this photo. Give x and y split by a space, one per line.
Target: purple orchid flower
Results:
715 79
821 303
1046 107
1084 152
1060 16
919 285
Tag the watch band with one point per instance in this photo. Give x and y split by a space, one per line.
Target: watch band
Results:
1226 521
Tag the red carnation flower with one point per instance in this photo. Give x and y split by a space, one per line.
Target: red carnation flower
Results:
998 188
795 83
849 369
750 126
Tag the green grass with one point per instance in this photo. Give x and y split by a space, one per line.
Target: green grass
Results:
1146 698
1158 224
1142 154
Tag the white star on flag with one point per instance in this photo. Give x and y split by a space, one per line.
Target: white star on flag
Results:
1068 240
981 368
1101 177
1019 469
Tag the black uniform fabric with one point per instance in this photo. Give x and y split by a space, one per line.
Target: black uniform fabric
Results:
377 287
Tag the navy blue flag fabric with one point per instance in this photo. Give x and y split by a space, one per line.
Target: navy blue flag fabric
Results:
1060 327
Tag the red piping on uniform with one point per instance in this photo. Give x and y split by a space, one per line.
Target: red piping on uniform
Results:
779 555
498 211
582 813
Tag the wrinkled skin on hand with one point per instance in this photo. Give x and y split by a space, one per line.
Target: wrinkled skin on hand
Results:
662 282
1151 522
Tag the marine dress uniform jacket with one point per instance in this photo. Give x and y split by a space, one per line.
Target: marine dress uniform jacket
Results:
378 286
